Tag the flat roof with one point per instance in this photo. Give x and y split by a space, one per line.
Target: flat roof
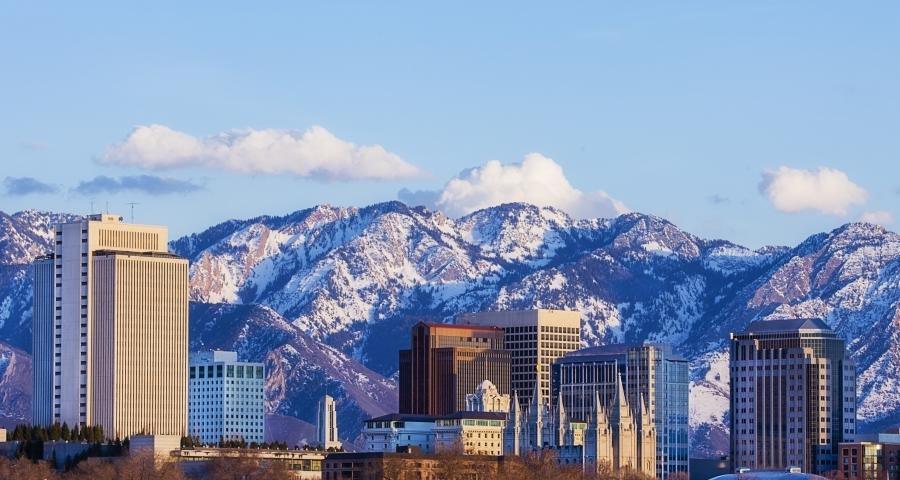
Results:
615 350
412 417
106 253
466 326
787 325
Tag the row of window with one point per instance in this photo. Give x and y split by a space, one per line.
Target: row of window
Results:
231 371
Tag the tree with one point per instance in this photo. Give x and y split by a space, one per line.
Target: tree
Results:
23 469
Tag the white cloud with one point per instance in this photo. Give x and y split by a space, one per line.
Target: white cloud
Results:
880 217
315 153
825 190
537 180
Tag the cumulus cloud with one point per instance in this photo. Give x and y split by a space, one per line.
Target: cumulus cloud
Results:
825 190
148 184
315 153
20 186
880 217
537 180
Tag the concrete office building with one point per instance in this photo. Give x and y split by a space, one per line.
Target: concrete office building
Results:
534 339
446 362
469 433
793 396
226 398
630 381
326 424
110 329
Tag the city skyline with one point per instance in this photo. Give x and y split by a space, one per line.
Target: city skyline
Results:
612 108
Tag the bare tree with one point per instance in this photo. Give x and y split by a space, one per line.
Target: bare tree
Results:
24 469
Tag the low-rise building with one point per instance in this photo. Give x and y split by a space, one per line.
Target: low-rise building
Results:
388 432
470 433
305 465
381 465
874 456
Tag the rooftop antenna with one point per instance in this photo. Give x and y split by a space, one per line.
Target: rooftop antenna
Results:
107 207
132 209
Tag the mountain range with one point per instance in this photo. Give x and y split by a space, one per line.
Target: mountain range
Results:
326 296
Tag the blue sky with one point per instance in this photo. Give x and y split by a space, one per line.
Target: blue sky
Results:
680 109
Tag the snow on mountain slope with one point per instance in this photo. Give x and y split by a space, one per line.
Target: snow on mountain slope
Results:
15 386
326 291
299 370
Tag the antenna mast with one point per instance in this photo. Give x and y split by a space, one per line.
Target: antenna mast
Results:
132 209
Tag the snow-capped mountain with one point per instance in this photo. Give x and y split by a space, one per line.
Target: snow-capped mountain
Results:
330 293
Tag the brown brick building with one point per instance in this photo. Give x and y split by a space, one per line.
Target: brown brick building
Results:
871 460
408 466
446 362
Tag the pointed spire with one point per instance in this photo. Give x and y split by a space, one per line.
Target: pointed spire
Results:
515 411
561 411
621 400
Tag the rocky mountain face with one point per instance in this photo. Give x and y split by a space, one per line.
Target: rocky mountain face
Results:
326 296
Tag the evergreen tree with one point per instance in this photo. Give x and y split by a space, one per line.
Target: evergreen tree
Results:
66 434
54 434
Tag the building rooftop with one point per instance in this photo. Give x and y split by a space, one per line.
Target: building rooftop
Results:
768 475
475 416
127 253
409 417
787 325
467 326
612 351
403 417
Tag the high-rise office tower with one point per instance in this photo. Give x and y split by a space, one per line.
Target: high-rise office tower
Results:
226 400
629 382
534 339
446 362
110 329
326 424
793 396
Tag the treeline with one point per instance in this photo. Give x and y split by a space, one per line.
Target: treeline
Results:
145 467
540 465
58 432
194 442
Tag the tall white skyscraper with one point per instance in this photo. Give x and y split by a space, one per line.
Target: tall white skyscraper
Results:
226 398
110 329
326 425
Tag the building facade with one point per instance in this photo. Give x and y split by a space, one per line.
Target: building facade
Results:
226 398
487 398
408 465
326 424
389 432
110 329
793 396
466 433
446 362
873 456
534 339
631 388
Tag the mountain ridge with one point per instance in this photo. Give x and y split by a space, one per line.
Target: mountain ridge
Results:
355 279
